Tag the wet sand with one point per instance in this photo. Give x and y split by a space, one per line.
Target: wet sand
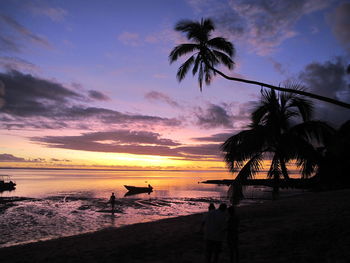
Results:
313 227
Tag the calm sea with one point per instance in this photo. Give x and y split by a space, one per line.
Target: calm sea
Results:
54 203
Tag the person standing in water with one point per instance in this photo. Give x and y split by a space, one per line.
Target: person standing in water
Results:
112 201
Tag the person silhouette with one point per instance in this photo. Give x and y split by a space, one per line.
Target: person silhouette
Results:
211 208
112 201
215 230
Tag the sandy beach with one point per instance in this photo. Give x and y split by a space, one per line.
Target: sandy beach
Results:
313 227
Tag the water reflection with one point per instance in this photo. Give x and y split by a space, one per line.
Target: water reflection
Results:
62 203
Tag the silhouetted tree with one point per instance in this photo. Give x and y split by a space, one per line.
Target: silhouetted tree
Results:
333 169
273 136
210 52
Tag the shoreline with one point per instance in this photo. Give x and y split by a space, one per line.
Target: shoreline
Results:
311 227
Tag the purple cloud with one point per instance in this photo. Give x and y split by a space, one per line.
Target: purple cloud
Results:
261 24
158 96
11 158
96 95
219 137
214 116
25 97
17 64
328 79
131 142
340 23
22 31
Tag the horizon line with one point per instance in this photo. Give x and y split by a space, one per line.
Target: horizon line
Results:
106 169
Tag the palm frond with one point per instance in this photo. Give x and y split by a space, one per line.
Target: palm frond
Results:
222 44
226 60
181 50
243 146
183 69
197 61
294 147
196 31
208 75
304 106
191 28
258 114
209 58
207 25
200 76
314 130
275 170
284 169
250 168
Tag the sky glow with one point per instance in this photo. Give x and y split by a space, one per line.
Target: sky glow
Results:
87 84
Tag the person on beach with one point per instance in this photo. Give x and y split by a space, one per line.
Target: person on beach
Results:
211 208
215 229
112 201
232 234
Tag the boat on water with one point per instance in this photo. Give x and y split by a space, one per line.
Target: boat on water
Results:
139 189
6 184
134 190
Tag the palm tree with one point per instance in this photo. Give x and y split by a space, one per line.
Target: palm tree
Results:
210 52
273 136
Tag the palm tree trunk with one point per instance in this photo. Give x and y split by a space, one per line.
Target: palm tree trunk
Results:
300 92
284 169
275 189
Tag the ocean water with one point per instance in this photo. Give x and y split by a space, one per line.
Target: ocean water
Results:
55 203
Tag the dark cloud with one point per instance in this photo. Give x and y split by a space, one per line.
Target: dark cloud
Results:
328 79
113 117
131 142
232 115
158 96
120 141
206 150
23 32
263 24
340 23
278 66
214 116
94 94
24 97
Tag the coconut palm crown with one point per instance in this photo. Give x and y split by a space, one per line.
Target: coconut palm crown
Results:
208 52
272 135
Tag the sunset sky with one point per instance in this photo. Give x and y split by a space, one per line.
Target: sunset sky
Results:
87 84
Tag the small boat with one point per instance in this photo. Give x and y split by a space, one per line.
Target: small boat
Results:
139 189
6 184
134 190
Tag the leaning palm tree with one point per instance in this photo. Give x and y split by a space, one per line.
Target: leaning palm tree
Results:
273 136
208 53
